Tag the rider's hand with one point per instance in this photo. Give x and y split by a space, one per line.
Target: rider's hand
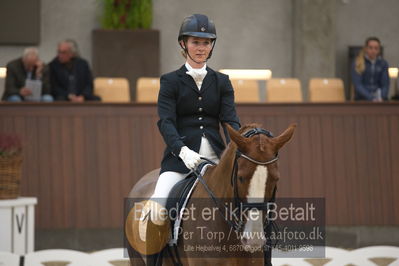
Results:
190 158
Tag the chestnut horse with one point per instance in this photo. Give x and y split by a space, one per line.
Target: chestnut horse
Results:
246 174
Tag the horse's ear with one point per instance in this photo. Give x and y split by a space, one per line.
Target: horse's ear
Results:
236 137
284 137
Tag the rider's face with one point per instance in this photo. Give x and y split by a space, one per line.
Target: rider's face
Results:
198 49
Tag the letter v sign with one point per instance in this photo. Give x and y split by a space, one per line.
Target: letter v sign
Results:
20 223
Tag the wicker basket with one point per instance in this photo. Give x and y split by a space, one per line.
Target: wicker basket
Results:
10 176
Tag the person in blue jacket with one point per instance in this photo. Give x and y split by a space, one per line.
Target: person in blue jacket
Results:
370 73
193 102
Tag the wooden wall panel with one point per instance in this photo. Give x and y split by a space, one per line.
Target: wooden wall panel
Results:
81 160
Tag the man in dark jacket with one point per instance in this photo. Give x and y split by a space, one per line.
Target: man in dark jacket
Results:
70 75
23 71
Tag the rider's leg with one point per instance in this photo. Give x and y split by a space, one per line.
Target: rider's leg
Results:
154 208
164 185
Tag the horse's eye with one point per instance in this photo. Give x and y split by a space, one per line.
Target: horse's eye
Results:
241 179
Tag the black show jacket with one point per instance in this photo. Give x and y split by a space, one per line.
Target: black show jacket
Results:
186 114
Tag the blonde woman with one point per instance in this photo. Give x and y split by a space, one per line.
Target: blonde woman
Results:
192 104
370 73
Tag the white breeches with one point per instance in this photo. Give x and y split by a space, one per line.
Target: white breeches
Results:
168 179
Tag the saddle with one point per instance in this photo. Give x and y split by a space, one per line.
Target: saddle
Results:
179 197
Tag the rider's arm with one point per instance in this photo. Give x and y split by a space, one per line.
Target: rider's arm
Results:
228 112
167 115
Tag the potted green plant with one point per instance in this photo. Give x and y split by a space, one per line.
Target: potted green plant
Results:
126 46
10 166
126 14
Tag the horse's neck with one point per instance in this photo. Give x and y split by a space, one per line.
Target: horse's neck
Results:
219 180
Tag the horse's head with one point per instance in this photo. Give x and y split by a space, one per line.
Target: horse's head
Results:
256 174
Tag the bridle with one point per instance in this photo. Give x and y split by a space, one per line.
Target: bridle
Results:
237 200
237 224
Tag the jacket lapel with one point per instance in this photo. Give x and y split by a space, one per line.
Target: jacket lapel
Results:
187 79
208 80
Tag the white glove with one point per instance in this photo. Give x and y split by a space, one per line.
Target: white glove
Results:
190 158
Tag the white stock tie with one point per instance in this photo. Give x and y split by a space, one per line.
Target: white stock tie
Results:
198 76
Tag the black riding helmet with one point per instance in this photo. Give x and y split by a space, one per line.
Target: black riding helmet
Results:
197 25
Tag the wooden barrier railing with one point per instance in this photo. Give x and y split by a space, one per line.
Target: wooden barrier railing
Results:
81 160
